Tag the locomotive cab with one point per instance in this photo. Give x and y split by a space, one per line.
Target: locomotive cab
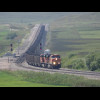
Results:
55 61
50 61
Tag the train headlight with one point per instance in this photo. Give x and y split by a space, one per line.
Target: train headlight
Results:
54 63
56 59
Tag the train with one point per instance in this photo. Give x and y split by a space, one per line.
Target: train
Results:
45 60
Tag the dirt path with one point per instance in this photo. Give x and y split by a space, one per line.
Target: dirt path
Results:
4 64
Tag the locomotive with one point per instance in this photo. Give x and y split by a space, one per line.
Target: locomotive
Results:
46 60
50 61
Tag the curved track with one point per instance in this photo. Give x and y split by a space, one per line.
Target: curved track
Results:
87 74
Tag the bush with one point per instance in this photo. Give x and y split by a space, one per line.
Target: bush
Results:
90 58
11 36
90 62
71 55
78 64
93 62
93 66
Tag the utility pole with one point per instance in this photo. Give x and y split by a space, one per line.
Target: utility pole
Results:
8 57
11 45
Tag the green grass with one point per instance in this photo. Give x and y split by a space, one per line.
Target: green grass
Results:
90 34
9 80
43 79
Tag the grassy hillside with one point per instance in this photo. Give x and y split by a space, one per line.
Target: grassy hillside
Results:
75 36
43 79
80 31
30 17
8 36
78 19
9 80
21 23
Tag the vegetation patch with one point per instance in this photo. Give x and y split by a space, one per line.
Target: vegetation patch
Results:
8 36
43 79
9 79
11 36
75 38
93 61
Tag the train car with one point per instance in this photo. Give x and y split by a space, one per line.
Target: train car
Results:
37 60
29 59
33 60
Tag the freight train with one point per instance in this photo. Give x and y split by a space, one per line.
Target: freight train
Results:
46 60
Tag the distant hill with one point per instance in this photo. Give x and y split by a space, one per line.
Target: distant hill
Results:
76 37
78 20
78 33
32 17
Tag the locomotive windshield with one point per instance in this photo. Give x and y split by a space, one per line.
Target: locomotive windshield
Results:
56 56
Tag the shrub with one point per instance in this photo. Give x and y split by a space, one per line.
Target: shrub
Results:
93 66
71 55
11 36
90 58
78 64
93 62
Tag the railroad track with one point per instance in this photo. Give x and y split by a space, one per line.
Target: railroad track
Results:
81 73
87 74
